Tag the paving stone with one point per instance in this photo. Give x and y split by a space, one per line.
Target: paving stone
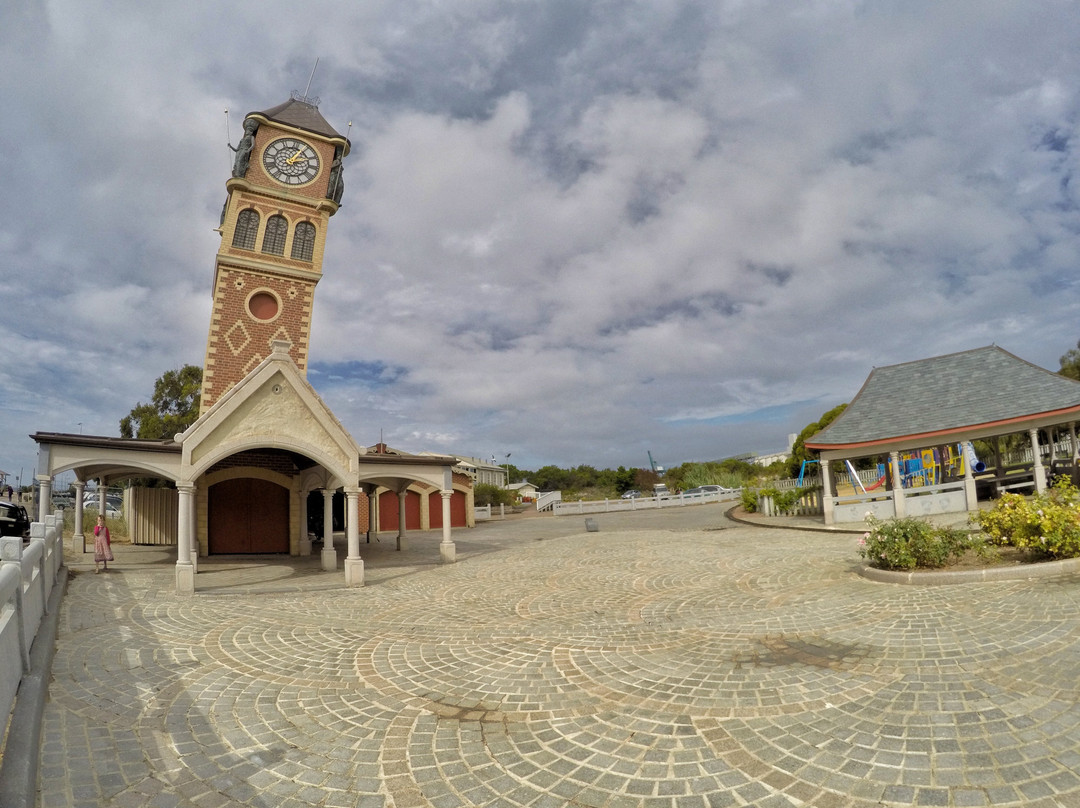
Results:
671 659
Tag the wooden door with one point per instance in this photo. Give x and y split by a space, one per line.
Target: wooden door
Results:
388 511
248 516
457 509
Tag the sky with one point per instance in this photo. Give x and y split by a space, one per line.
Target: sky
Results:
572 232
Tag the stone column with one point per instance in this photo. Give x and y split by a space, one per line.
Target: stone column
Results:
305 539
354 564
402 495
193 528
447 549
185 571
899 506
1036 462
329 554
827 503
44 496
78 541
970 496
372 513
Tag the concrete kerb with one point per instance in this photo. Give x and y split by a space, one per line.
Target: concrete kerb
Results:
22 752
1015 572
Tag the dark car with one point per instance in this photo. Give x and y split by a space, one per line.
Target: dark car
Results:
14 520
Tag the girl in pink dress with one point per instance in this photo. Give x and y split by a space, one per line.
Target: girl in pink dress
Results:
102 545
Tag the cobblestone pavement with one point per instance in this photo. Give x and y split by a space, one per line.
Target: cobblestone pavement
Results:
663 660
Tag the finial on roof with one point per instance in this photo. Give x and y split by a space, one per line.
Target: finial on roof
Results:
304 98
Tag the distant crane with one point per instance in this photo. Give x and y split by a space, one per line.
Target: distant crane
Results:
658 470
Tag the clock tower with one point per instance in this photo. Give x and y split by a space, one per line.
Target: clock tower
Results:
286 184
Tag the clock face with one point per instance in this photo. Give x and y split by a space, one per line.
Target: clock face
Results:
291 161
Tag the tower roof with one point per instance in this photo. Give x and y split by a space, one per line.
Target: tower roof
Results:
302 115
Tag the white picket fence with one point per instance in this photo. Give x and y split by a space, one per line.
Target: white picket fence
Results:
809 504
28 573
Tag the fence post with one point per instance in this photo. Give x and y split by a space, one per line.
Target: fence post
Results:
37 534
11 548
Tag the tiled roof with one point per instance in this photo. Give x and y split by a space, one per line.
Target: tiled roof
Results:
301 115
946 393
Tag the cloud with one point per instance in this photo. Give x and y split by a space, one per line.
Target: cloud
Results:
575 231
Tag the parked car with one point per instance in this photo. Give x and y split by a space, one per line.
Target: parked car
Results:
14 521
111 510
631 494
709 489
660 491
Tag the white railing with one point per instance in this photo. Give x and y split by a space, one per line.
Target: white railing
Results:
546 500
484 512
809 504
640 503
28 573
922 501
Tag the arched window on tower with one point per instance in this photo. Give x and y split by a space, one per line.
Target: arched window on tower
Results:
274 237
303 242
247 227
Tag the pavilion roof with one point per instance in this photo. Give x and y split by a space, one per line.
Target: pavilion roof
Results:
941 398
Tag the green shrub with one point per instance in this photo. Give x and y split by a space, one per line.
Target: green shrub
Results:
910 543
749 497
783 501
485 494
1047 524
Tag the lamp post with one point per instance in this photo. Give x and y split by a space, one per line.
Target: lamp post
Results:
506 468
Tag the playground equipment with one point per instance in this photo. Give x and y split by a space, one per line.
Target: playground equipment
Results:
802 470
977 465
934 466
918 467
856 481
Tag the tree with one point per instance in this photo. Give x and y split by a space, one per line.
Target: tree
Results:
1070 363
485 494
624 479
174 407
799 452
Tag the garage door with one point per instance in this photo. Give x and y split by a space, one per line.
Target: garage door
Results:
457 509
388 511
248 516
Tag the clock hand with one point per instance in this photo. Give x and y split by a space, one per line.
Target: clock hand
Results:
295 157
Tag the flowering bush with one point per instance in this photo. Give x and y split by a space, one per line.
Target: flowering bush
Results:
908 543
1046 525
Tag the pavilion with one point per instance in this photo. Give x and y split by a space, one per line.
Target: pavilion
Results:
942 404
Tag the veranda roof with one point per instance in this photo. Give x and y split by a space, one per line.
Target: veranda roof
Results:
961 396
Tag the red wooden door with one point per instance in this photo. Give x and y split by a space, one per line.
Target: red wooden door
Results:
388 511
457 509
248 516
